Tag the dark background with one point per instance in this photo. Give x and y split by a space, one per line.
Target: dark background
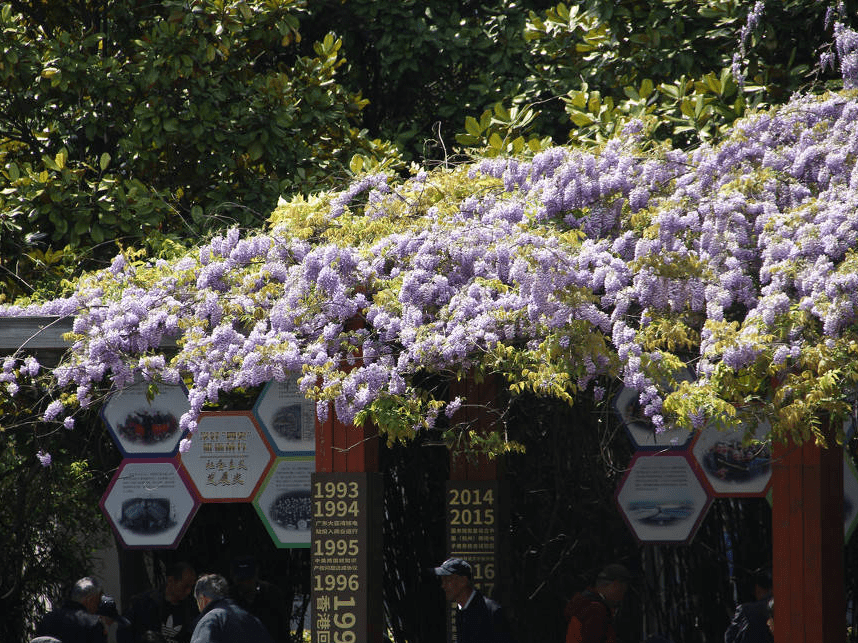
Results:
564 526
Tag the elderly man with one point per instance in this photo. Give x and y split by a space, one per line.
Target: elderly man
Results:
221 619
76 620
478 619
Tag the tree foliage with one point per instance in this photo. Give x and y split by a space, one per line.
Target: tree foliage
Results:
579 69
50 520
120 121
694 221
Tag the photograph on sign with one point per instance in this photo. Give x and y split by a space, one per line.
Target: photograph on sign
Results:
288 417
228 457
662 499
283 502
142 427
641 431
732 466
148 503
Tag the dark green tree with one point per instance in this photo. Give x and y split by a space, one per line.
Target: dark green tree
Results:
126 121
49 517
570 71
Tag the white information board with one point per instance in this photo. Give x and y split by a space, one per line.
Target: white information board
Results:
148 503
288 418
228 457
661 498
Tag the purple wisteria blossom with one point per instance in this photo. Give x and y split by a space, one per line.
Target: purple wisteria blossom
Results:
557 272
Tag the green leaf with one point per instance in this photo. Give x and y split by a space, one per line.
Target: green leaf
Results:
104 161
472 126
60 158
581 119
255 151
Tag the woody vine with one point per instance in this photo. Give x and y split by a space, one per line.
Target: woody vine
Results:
558 272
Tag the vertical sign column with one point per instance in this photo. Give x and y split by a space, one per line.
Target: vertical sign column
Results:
472 531
345 562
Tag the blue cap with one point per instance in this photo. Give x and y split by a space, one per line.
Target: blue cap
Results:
454 566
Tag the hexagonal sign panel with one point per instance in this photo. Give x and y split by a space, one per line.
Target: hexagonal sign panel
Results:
288 418
662 498
142 427
228 458
641 431
149 504
283 502
732 467
850 496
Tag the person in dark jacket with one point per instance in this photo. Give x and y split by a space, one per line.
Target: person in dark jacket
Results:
264 600
164 614
479 619
221 619
76 621
749 624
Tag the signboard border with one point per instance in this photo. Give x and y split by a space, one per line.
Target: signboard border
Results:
695 471
259 510
255 490
188 487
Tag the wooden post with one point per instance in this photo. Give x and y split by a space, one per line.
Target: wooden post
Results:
346 553
807 548
477 397
346 544
476 499
345 448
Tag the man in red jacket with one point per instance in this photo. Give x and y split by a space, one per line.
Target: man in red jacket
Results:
590 613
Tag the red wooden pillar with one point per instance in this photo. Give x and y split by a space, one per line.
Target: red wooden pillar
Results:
476 499
807 547
346 545
478 397
345 448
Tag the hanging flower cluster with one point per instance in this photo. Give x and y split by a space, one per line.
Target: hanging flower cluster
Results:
558 272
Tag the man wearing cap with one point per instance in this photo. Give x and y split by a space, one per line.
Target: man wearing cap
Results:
478 619
590 613
749 624
264 600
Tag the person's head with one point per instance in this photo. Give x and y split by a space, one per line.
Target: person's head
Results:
456 579
210 587
613 583
245 577
762 582
180 581
87 591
